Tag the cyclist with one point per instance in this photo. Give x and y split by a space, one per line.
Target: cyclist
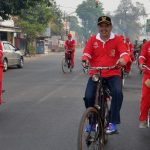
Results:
1 71
70 47
145 100
106 49
131 53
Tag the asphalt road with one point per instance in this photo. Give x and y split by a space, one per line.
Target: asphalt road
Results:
43 108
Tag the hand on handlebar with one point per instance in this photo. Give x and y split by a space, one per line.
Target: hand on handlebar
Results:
121 62
141 67
144 67
85 64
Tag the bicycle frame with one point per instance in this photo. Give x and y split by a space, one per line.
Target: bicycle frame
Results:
101 93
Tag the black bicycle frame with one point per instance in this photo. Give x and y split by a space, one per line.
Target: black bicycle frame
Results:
100 98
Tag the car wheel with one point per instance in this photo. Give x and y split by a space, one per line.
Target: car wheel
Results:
21 63
5 62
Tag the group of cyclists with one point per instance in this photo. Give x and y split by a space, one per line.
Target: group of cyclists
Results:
107 49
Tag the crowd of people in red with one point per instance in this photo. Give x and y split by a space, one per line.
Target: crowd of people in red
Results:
107 49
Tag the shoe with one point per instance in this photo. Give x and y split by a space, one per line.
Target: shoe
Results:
90 128
143 124
111 129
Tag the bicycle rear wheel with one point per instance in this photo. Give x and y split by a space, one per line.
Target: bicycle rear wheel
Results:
91 140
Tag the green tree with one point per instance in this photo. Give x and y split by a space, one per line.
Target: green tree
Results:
56 20
74 26
89 13
33 22
14 7
126 20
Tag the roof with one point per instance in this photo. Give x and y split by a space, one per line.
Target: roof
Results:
9 29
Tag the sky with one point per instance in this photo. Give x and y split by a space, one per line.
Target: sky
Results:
70 6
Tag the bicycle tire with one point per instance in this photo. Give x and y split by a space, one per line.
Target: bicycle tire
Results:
98 136
64 66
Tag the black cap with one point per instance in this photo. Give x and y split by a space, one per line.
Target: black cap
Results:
104 19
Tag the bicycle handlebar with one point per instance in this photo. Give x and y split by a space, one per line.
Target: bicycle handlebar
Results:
104 68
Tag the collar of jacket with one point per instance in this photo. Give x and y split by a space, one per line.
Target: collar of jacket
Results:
98 37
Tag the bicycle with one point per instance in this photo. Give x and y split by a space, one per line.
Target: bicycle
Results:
66 62
148 119
97 116
123 77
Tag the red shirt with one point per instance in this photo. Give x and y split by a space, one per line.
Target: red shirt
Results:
70 45
100 53
145 56
130 50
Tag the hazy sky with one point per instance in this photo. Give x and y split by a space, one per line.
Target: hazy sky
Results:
109 5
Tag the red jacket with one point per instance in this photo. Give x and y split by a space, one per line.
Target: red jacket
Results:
145 56
1 54
130 50
70 45
100 53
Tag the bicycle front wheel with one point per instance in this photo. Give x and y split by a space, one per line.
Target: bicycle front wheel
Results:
64 66
90 131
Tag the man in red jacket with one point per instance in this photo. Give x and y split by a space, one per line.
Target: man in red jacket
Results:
70 47
144 59
1 71
106 49
131 54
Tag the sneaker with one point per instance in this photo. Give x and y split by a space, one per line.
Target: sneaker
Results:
111 129
89 128
143 124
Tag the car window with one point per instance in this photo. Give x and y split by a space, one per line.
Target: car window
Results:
6 46
11 47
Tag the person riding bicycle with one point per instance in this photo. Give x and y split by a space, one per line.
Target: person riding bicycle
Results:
144 59
1 72
70 48
106 49
131 53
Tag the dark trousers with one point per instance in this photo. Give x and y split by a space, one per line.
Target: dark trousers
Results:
114 85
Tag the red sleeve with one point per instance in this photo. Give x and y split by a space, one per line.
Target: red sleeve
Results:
122 48
143 55
87 52
132 51
74 45
1 51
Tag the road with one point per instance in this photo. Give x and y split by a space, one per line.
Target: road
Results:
43 108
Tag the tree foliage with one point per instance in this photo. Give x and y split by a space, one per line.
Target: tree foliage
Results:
89 13
14 7
126 20
74 26
34 21
56 20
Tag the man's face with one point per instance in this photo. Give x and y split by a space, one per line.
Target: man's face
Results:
69 38
105 29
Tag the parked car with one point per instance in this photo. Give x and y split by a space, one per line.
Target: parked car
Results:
11 56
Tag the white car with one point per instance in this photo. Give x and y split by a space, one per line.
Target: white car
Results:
11 55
